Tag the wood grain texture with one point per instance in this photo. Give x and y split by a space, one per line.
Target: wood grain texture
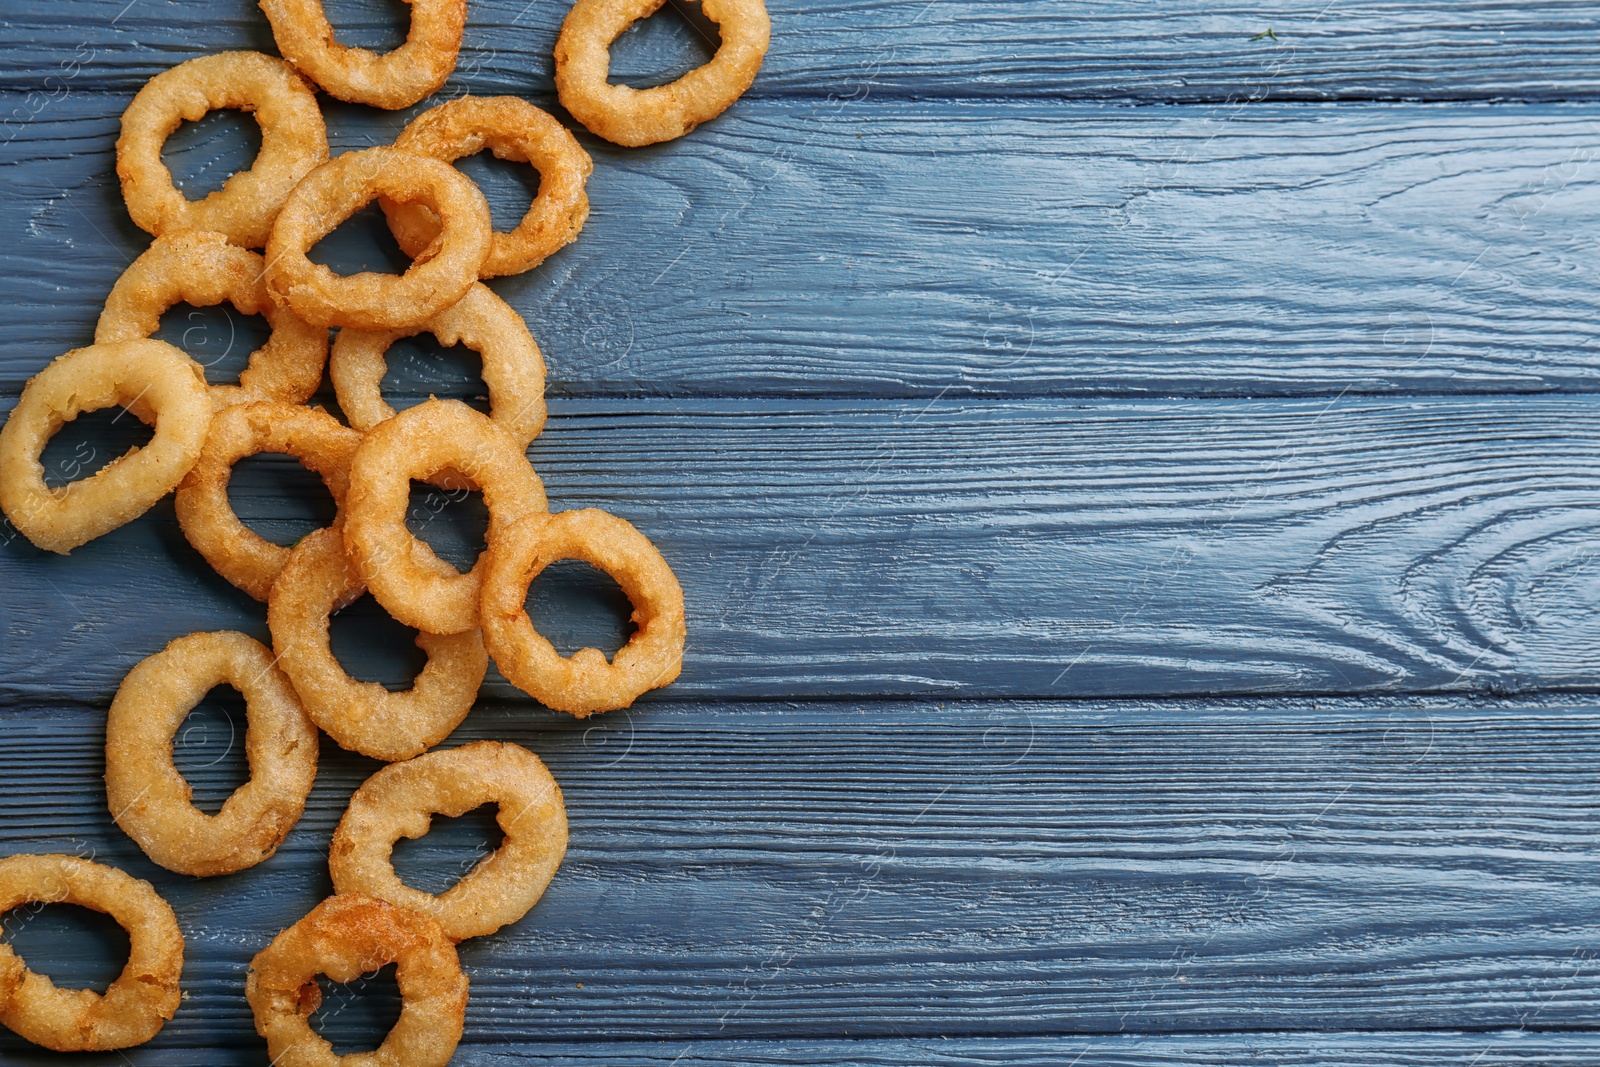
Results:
895 871
1111 49
1016 250
1003 549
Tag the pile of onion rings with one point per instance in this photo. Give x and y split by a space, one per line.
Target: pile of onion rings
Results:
288 200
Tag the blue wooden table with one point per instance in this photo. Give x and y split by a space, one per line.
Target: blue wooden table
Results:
1135 480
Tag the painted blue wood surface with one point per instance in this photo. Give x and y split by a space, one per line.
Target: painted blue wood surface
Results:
939 373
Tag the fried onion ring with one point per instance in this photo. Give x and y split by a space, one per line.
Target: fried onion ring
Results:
364 717
635 117
513 367
400 801
145 995
202 268
153 380
585 682
293 142
344 938
367 300
393 80
150 800
516 130
413 584
238 553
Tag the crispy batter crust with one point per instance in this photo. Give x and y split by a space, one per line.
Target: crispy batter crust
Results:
393 80
149 798
585 682
400 801
154 381
293 142
637 117
145 995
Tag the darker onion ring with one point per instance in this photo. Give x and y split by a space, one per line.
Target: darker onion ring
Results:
293 142
144 996
394 80
364 717
401 800
238 553
150 378
202 268
636 117
345 938
370 301
513 129
404 575
585 682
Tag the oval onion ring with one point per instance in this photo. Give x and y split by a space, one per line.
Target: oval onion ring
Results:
400 801
393 80
635 117
153 380
145 995
367 300
513 367
416 586
238 553
293 142
345 938
149 798
364 717
516 130
584 683
201 268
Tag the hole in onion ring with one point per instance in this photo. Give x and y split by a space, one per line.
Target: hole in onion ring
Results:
361 242
203 155
91 441
453 522
356 1016
419 366
664 47
276 497
208 749
509 186
372 646
75 947
449 850
219 338
377 25
576 606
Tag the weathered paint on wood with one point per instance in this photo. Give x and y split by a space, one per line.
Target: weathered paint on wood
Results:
1016 249
1003 549
1111 49
884 870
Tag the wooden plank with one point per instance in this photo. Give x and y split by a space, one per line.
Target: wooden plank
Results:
1112 49
893 871
837 549
1016 249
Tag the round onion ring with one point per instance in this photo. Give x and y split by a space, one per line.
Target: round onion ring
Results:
201 268
145 995
149 798
394 80
400 801
153 380
637 117
293 142
364 717
371 301
513 129
416 586
584 683
513 367
238 553
344 938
